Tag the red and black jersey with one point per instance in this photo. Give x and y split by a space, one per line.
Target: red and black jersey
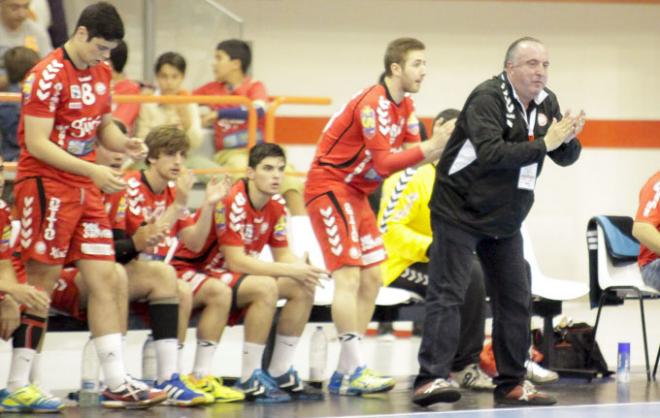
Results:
143 204
371 122
238 223
76 100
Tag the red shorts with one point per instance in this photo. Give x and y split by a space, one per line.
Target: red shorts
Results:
61 224
346 229
66 295
197 278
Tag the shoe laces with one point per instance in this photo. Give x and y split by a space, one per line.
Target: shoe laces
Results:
528 389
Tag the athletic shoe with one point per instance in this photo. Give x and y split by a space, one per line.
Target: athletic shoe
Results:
438 390
473 378
179 394
132 395
538 374
292 384
214 388
361 382
525 394
30 399
261 388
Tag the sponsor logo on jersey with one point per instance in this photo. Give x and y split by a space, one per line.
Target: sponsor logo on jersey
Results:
100 88
75 92
220 218
368 119
27 86
80 148
541 119
279 232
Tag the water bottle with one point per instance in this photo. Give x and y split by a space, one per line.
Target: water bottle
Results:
623 363
318 357
149 370
89 384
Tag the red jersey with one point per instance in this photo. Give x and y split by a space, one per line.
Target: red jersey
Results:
232 133
371 122
126 113
143 204
5 230
238 223
76 100
649 212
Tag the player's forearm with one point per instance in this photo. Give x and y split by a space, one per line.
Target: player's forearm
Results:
648 235
111 137
246 264
194 237
51 154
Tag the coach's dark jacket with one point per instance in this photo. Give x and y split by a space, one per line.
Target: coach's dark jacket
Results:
477 179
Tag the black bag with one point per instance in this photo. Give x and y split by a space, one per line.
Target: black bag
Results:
574 348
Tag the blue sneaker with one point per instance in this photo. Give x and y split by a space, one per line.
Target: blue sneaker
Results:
261 388
180 394
362 381
292 384
28 399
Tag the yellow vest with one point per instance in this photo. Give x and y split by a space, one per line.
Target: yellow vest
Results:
404 219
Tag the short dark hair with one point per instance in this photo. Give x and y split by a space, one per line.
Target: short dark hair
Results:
166 139
102 21
174 59
261 151
397 51
237 50
18 61
511 50
119 56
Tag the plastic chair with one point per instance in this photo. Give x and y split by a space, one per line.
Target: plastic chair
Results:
614 274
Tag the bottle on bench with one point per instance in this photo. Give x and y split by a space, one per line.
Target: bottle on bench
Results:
318 357
89 380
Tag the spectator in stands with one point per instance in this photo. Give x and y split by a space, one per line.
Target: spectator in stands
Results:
170 69
124 113
232 61
249 218
159 194
17 30
405 222
647 231
374 135
18 60
483 190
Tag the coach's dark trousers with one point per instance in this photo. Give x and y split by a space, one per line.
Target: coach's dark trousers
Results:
508 285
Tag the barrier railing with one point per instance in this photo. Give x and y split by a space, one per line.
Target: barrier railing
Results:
184 99
278 101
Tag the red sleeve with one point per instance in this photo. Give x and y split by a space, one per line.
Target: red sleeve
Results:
649 198
231 234
187 219
201 90
40 95
412 125
278 236
126 113
115 207
258 92
5 227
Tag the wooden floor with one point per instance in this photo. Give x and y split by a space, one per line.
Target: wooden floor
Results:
577 398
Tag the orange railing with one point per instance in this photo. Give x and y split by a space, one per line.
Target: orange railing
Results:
278 101
210 100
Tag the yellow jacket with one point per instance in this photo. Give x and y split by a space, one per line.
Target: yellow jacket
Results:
405 219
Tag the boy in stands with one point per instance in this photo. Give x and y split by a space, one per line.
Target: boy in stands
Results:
252 216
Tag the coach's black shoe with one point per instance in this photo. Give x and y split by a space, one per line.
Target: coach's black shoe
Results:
524 394
438 390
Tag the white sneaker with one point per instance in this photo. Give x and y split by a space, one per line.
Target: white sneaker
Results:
539 375
472 377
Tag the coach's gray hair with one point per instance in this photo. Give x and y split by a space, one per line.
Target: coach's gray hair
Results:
514 47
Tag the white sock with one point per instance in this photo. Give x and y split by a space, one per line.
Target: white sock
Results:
35 370
109 351
252 355
166 358
204 358
283 353
350 356
19 371
123 346
179 358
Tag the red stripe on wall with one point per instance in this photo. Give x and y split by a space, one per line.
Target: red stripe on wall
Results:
596 134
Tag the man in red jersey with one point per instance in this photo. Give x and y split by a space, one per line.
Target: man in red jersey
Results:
160 193
252 216
372 136
647 231
66 107
232 61
125 113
